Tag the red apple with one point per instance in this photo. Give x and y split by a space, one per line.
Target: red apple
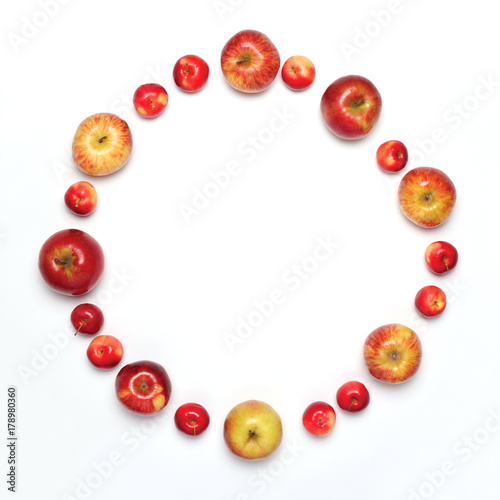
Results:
150 99
298 72
430 301
102 144
190 73
319 418
191 418
81 198
250 61
105 352
87 318
351 106
353 396
71 262
426 196
143 387
253 430
441 257
392 156
392 353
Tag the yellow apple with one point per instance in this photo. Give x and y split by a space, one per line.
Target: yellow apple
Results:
253 430
102 144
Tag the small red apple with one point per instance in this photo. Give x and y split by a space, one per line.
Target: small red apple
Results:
102 144
250 61
191 73
353 396
150 99
392 156
143 387
351 107
71 262
319 418
105 352
426 196
298 72
430 301
192 419
441 257
81 198
392 353
87 318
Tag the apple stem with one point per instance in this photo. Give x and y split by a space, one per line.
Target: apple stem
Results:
187 70
100 141
243 60
294 70
63 262
353 400
194 427
81 324
356 104
445 260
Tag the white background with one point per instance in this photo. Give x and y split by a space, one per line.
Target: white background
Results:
185 284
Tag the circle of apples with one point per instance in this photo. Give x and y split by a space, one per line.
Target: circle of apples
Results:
350 107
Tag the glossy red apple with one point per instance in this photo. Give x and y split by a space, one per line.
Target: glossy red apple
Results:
87 318
105 352
441 257
192 419
319 418
81 198
427 196
253 430
143 387
392 353
298 73
191 73
102 144
71 262
150 99
351 107
353 396
430 301
250 61
392 156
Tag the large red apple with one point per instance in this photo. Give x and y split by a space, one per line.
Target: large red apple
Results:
392 353
102 144
143 387
351 106
250 61
71 262
427 196
253 430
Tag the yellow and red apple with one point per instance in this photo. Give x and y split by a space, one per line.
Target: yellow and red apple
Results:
102 144
150 99
253 430
427 196
250 61
392 353
190 73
